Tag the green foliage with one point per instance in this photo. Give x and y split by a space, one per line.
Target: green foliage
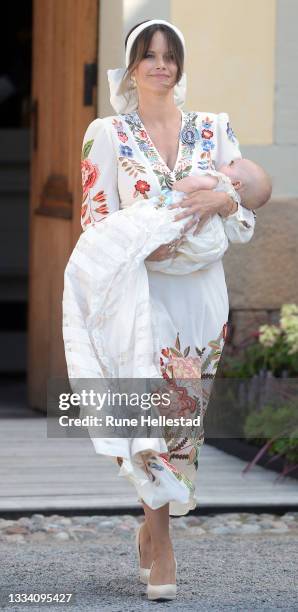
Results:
279 424
275 349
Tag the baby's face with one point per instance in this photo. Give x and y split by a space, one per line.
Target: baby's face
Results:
249 179
241 172
234 170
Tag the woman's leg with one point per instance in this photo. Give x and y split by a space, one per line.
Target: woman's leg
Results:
163 570
145 545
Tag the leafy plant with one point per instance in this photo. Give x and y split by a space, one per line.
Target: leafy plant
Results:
274 348
279 427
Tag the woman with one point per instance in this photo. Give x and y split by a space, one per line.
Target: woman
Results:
130 158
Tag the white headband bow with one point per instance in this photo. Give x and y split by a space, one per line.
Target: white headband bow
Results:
126 101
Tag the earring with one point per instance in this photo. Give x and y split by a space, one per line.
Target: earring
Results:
133 80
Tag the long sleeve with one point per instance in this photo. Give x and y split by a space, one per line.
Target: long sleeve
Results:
99 174
239 227
100 199
227 143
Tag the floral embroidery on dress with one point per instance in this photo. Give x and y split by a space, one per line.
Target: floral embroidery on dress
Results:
231 135
141 187
187 138
120 131
176 363
188 399
126 151
127 161
160 464
190 133
132 166
208 145
90 174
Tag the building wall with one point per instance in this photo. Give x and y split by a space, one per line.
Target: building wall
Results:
223 64
281 157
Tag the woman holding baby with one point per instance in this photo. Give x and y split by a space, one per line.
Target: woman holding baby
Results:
149 150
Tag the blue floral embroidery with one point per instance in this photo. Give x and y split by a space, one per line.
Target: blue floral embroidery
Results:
231 135
144 146
207 145
125 151
156 466
204 164
207 124
190 135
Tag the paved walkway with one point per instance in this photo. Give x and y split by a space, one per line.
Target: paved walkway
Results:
41 474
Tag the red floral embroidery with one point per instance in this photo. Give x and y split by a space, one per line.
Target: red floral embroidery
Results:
181 401
185 367
142 187
165 458
184 402
207 134
103 209
87 221
83 209
101 197
90 174
122 136
120 132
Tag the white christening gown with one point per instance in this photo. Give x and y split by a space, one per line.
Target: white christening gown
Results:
124 316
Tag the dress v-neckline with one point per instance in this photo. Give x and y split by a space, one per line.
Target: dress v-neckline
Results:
155 148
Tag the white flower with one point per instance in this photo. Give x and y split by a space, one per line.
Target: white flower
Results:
288 310
269 334
289 324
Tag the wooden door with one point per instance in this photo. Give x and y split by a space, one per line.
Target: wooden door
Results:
65 43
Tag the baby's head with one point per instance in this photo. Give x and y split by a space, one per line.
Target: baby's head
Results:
250 180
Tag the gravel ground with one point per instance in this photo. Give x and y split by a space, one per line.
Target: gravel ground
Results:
245 571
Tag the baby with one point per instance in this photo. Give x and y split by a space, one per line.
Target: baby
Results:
248 184
248 179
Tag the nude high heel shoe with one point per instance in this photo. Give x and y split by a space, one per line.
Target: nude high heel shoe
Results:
162 591
144 572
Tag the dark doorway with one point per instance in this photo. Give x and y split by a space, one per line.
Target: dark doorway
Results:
15 103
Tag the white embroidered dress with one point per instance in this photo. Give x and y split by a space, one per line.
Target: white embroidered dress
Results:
186 313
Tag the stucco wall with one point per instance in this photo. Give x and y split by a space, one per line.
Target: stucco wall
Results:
230 61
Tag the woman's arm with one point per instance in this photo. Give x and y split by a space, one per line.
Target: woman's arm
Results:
194 182
99 174
238 221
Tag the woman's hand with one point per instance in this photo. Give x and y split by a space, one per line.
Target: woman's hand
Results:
164 251
204 203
